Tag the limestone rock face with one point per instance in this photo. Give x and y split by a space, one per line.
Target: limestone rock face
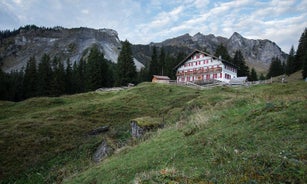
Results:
64 43
260 51
255 51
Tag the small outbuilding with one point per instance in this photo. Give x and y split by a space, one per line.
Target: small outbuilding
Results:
238 81
160 79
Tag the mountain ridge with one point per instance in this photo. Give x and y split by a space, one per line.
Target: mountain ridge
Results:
74 44
257 52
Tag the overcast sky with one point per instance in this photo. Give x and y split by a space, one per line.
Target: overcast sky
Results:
145 21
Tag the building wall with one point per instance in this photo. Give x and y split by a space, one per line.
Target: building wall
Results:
201 68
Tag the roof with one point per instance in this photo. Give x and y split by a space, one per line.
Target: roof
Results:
238 80
161 77
206 54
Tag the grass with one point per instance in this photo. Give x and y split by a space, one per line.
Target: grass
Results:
251 134
246 135
45 139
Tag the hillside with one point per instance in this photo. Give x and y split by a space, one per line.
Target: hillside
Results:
226 135
223 134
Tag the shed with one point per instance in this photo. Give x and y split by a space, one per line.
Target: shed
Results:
160 79
238 81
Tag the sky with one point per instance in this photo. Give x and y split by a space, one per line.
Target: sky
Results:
145 21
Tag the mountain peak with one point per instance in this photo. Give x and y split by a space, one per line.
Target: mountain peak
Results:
236 35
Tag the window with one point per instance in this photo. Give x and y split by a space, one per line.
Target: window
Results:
208 76
215 76
221 75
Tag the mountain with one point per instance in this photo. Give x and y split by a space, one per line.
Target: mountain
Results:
17 47
75 43
257 53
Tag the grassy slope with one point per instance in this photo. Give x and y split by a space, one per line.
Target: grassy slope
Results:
225 135
45 139
222 134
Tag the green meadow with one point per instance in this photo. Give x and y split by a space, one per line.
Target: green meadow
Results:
254 134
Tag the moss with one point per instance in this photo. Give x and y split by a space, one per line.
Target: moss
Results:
148 121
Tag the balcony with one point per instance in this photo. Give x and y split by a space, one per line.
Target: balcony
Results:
203 71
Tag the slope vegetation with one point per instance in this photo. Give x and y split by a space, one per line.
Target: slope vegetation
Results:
251 134
45 139
224 135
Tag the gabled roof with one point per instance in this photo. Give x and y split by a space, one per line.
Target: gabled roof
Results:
160 77
206 54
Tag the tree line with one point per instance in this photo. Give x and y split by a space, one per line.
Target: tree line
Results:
49 76
296 60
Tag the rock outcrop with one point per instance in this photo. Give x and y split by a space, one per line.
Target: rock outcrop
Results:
102 151
140 126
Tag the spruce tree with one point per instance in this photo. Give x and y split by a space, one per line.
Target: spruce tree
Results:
96 70
304 72
301 53
253 75
221 50
290 62
30 78
45 76
239 61
68 78
126 69
261 77
276 68
3 86
154 66
161 62
58 78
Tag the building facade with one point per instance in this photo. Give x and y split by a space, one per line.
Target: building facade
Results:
201 67
160 79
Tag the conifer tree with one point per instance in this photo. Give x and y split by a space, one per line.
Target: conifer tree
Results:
3 86
253 75
289 69
276 68
45 76
221 50
239 61
30 78
58 78
153 67
126 69
96 70
161 63
304 72
301 53
68 78
261 77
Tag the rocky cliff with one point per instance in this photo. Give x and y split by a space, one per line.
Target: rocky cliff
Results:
74 44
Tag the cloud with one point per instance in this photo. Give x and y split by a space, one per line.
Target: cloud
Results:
281 21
